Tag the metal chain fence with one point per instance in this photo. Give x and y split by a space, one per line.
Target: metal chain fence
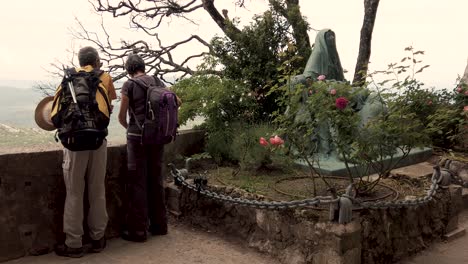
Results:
200 186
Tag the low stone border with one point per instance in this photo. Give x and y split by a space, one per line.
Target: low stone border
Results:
304 236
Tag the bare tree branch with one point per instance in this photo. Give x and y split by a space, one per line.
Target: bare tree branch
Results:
149 15
159 60
148 8
224 24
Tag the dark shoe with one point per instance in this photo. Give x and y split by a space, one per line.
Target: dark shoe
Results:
65 251
158 231
98 245
134 236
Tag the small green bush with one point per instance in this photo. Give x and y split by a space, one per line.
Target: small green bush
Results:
250 154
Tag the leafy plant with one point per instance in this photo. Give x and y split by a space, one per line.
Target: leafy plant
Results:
255 55
439 110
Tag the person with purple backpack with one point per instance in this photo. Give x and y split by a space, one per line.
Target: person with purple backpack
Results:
152 111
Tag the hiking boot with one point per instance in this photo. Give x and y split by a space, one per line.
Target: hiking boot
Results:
158 230
65 251
98 245
139 236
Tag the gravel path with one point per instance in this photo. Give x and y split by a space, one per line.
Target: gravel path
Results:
183 245
453 252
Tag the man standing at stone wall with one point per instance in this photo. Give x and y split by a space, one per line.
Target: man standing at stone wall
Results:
85 93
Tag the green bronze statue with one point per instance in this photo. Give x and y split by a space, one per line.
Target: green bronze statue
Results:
324 60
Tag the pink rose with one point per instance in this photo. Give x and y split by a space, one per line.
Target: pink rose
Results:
341 102
465 109
279 140
263 142
333 91
459 89
321 77
276 141
311 91
429 102
466 92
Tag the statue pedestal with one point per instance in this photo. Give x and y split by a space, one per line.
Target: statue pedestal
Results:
334 167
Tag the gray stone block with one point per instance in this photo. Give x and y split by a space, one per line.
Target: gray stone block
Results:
457 233
173 199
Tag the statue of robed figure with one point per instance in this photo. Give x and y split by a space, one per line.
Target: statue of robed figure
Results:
324 60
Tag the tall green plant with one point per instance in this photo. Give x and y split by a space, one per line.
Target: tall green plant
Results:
255 55
220 102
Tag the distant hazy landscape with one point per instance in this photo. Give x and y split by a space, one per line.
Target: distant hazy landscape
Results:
18 129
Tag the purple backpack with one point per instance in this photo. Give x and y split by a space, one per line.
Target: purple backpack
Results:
161 115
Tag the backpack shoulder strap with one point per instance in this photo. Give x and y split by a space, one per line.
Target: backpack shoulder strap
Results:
130 108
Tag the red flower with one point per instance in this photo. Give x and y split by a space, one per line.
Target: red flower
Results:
459 89
341 102
276 140
263 142
429 102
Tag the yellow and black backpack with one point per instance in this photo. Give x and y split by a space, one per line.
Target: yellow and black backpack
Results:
81 110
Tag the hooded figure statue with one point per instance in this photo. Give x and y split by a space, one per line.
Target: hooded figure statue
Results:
324 58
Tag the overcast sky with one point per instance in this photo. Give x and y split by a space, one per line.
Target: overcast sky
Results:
35 33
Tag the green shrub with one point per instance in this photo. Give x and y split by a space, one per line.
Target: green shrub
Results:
250 154
222 103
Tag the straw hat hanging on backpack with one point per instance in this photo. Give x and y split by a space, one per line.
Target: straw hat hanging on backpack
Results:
42 114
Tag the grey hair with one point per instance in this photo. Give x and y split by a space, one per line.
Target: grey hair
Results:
88 56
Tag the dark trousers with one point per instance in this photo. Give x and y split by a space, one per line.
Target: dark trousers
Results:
145 187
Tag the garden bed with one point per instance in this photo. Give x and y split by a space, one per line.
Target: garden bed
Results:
286 184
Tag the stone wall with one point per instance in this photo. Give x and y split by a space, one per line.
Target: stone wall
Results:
293 236
32 195
306 236
392 234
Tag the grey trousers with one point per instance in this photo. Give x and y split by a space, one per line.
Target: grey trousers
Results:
76 166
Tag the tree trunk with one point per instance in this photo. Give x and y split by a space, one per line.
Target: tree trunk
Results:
299 25
370 13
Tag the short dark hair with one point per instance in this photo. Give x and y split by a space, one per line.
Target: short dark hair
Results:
134 64
88 56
